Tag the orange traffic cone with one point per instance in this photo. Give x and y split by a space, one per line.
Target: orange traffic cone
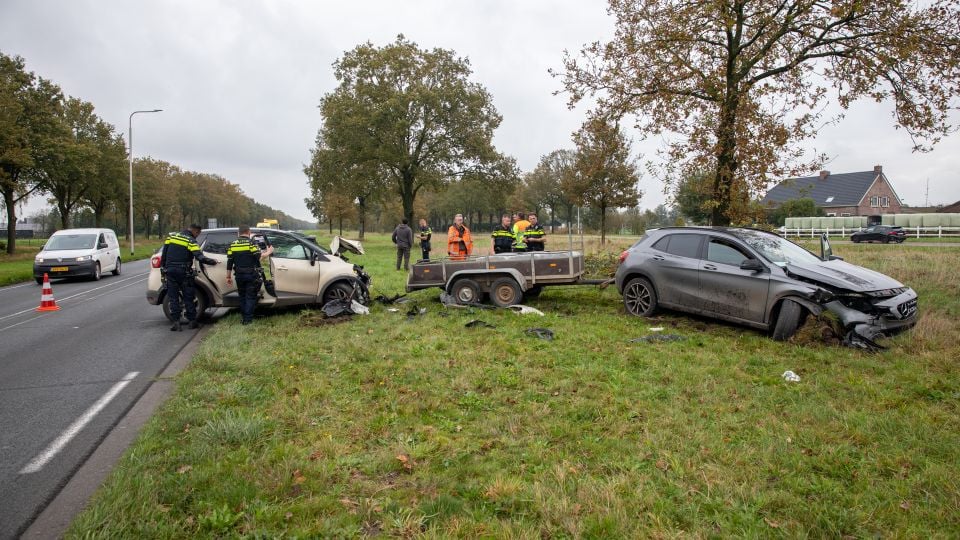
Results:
47 302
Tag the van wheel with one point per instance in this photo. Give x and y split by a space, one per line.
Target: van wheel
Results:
39 280
96 272
466 291
639 297
337 291
116 269
199 300
788 320
505 292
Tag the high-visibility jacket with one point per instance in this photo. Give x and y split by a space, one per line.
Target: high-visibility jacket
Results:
534 231
180 249
518 229
459 242
502 239
243 255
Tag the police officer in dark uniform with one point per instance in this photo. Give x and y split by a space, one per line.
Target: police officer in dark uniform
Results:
534 235
503 235
176 267
425 234
243 258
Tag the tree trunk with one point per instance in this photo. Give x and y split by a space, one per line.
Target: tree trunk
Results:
11 207
726 160
330 224
362 215
603 226
64 216
407 194
340 224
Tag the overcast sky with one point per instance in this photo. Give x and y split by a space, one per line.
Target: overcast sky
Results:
240 80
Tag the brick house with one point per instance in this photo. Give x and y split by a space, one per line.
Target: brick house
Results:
866 193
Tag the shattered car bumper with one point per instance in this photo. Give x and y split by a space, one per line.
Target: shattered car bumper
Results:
869 316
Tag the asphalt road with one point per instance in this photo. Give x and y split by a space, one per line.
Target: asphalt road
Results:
67 377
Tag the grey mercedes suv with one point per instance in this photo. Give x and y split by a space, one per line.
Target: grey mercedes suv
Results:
759 279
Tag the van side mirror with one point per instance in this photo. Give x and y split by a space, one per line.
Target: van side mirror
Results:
752 265
102 245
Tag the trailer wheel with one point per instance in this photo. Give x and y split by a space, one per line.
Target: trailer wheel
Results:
466 291
505 292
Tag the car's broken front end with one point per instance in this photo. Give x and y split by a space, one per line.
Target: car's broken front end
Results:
868 315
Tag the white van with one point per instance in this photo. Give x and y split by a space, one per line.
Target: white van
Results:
78 252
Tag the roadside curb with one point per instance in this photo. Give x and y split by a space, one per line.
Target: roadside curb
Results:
56 518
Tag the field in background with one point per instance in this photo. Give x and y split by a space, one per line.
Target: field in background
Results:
412 425
19 267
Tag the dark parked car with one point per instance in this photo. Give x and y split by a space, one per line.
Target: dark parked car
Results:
761 280
879 233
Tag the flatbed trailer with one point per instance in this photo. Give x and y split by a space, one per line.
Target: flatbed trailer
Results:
506 277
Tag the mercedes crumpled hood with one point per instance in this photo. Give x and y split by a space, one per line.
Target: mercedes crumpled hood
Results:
338 245
844 275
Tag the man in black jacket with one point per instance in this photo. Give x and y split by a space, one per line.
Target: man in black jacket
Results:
243 258
403 238
503 236
179 251
425 234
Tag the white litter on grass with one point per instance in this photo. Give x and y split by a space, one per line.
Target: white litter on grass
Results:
525 310
656 329
359 308
393 310
790 376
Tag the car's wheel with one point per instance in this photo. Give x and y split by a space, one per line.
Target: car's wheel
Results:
199 300
96 272
900 240
788 320
885 240
337 291
855 240
116 269
639 297
505 292
466 291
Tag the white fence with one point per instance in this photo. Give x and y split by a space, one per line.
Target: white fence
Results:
912 232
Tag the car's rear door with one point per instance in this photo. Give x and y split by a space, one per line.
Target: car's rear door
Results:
674 265
296 276
727 290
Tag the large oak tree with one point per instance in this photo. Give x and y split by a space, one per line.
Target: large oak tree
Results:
734 85
410 114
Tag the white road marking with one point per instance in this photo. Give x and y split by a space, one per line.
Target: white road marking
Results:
81 301
16 286
76 295
68 434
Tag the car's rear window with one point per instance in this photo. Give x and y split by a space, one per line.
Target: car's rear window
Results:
684 245
218 242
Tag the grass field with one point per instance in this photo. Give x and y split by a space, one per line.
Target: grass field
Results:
19 267
415 426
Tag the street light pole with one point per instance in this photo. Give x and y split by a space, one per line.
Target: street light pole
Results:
130 150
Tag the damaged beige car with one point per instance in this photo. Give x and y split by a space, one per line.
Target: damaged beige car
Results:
303 272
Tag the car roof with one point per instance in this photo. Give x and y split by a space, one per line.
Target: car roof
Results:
234 230
81 231
713 228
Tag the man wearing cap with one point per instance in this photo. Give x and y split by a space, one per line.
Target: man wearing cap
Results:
179 251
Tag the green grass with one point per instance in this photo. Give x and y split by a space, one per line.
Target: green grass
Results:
419 427
19 267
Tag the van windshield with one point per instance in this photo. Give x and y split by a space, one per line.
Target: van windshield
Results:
62 242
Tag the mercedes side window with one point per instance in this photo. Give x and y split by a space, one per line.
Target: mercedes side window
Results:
721 252
285 247
684 245
218 242
661 244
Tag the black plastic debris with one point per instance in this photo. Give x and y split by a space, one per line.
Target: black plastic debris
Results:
542 333
414 311
857 341
343 306
449 301
387 300
658 338
477 323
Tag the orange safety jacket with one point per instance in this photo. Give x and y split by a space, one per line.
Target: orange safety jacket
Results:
459 244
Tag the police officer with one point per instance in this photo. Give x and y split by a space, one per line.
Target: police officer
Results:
534 235
503 235
176 267
425 234
243 258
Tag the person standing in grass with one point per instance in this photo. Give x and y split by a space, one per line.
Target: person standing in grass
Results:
243 259
502 237
425 235
403 238
534 235
519 227
459 241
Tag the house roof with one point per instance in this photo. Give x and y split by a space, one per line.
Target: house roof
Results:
846 189
955 207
